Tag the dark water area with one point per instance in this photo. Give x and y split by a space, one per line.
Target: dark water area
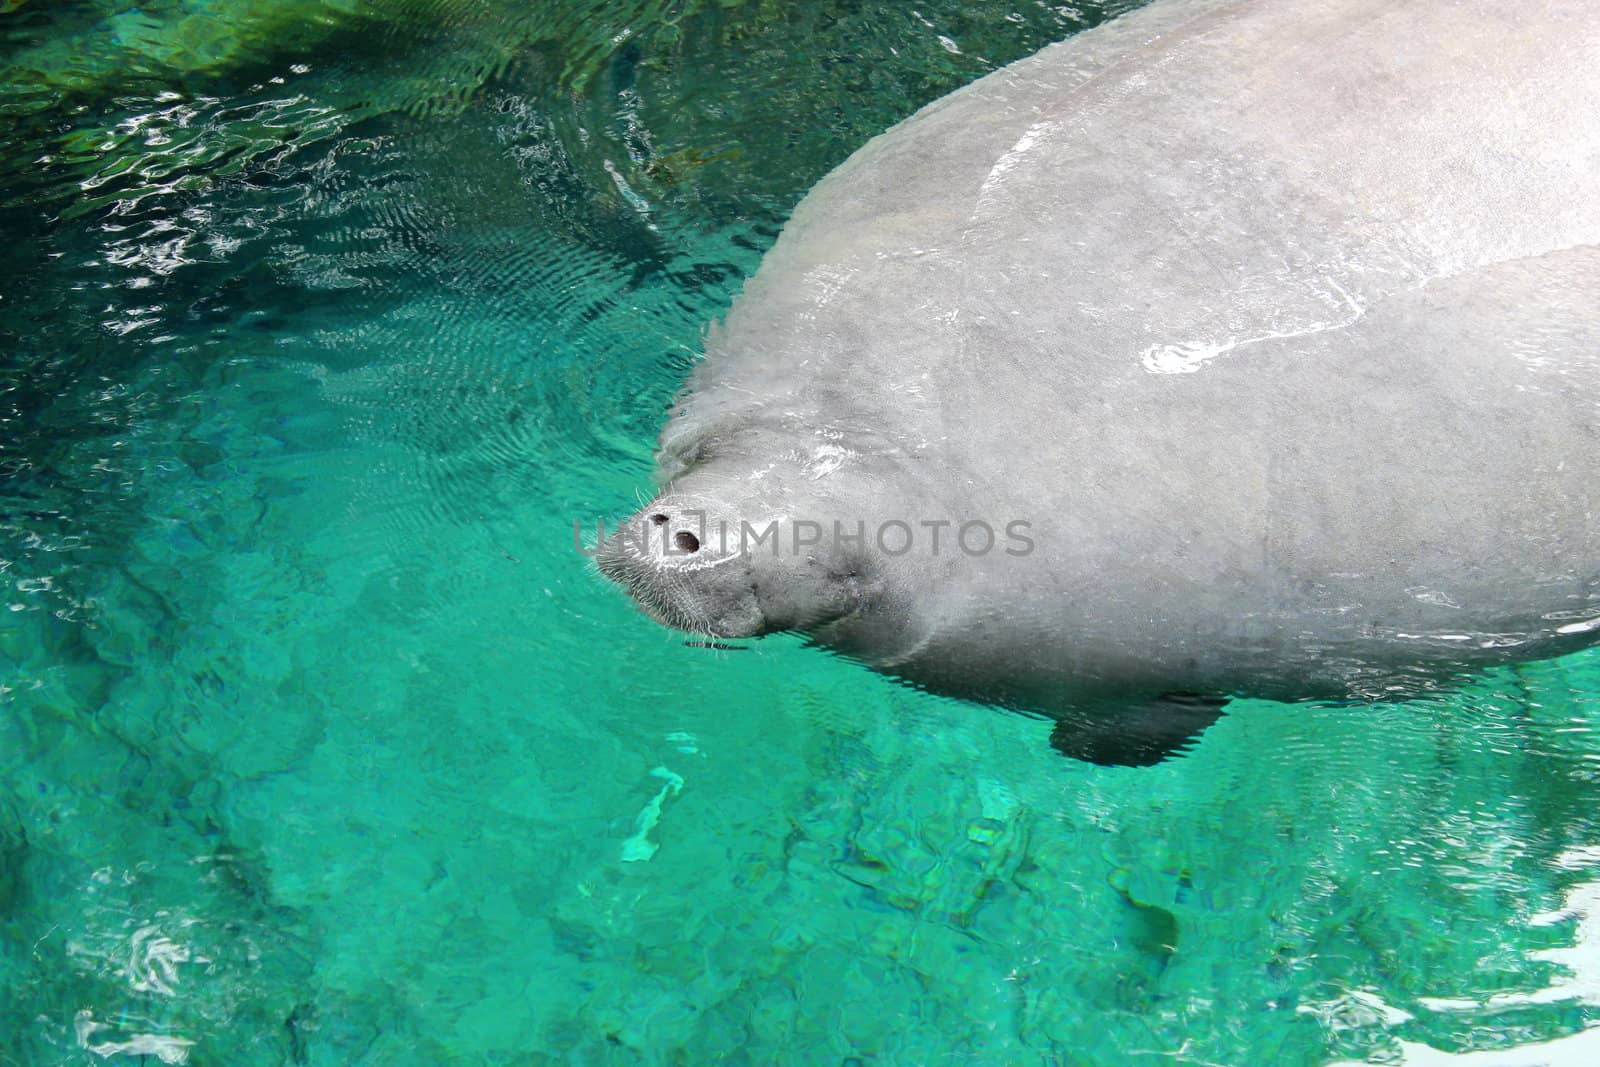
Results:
322 323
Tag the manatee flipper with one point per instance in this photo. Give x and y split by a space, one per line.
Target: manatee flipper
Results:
1140 734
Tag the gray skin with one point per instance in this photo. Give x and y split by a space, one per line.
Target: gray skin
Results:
1279 322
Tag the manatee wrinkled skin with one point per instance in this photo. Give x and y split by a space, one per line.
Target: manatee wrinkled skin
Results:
1277 323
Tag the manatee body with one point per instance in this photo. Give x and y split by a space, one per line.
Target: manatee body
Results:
1277 324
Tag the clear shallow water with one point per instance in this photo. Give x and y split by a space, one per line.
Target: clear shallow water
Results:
321 745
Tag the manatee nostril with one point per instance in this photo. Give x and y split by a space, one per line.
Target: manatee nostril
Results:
659 519
686 541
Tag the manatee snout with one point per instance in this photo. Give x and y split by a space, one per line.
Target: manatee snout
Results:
670 559
705 566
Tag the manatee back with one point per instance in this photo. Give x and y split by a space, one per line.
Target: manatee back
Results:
1168 189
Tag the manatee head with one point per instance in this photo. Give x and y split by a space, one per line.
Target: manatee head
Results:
730 552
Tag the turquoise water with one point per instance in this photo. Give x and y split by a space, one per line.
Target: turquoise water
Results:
322 323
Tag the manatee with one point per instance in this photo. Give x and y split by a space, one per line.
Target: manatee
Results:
1262 337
